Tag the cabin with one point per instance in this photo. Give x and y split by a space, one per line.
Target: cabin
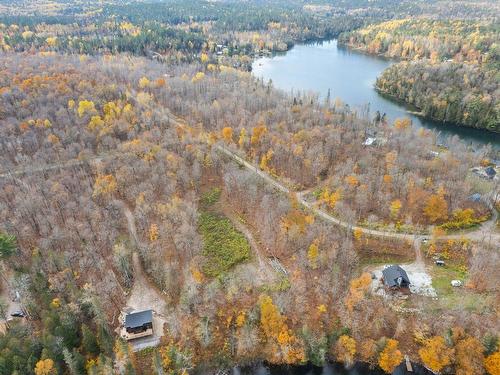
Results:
138 324
395 277
490 172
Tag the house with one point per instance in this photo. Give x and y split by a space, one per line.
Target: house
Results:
490 172
369 141
395 277
476 197
138 324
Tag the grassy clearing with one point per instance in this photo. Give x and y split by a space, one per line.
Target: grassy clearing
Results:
442 276
210 197
457 298
223 245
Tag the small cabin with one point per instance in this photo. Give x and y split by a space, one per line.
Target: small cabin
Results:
395 277
490 172
138 324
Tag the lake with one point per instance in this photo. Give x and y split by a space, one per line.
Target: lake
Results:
350 76
327 369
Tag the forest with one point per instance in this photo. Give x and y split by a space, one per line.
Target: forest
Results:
451 68
124 134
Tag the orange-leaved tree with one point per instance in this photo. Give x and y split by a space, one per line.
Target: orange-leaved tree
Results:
469 356
492 363
390 357
436 208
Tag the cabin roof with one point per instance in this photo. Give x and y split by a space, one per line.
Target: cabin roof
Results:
138 318
392 273
490 171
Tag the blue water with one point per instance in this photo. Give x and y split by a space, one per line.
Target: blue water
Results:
350 76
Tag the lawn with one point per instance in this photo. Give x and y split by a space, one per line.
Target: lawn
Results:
442 276
223 245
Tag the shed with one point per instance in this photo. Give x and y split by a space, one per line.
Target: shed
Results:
139 321
395 277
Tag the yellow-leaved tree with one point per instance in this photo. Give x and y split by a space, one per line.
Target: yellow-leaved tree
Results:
45 367
312 254
286 347
345 349
243 138
435 354
104 185
357 290
390 357
395 208
144 82
86 106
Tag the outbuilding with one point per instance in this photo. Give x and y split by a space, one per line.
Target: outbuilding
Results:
395 277
138 324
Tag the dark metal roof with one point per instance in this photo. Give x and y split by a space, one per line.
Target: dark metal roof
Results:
391 275
490 171
138 318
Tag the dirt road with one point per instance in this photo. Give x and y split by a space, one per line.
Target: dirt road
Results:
484 232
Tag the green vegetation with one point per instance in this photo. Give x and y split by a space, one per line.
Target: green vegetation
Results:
452 92
280 285
7 245
210 197
463 219
442 276
223 245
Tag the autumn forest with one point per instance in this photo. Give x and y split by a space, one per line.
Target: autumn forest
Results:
144 167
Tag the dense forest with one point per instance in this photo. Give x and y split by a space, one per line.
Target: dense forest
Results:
453 75
124 134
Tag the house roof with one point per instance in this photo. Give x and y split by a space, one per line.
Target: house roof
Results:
391 275
138 318
490 171
476 197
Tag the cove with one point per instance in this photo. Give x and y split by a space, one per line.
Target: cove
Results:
350 76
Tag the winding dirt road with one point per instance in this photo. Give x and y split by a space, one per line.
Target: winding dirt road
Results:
484 233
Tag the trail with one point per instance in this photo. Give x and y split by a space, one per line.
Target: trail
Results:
267 272
144 294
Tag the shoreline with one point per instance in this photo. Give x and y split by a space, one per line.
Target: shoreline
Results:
420 114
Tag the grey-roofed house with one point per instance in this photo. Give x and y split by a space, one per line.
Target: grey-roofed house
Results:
395 277
490 171
476 197
139 324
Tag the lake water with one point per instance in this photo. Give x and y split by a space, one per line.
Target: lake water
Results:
327 369
351 76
